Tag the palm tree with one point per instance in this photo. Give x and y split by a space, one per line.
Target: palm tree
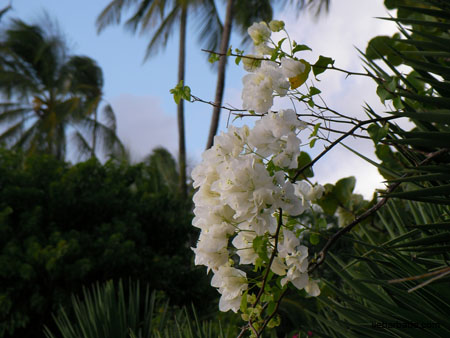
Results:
161 17
50 95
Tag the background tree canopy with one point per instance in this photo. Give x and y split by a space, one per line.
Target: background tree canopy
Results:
65 226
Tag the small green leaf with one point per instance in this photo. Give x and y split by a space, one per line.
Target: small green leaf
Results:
314 239
213 57
299 48
343 189
315 130
238 60
302 160
280 43
322 223
322 64
229 51
377 133
383 94
312 143
314 91
186 93
398 104
244 302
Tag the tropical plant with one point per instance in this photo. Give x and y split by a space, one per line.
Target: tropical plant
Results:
50 95
161 17
107 310
393 284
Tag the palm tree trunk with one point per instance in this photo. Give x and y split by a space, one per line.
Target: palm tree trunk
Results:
221 73
94 134
180 109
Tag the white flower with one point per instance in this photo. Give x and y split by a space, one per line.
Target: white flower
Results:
211 249
243 242
308 193
245 185
290 242
298 279
257 94
291 68
278 266
263 49
231 143
291 150
259 32
312 288
288 201
231 283
297 260
275 133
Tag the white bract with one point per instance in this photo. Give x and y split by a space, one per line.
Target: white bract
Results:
259 86
244 189
259 32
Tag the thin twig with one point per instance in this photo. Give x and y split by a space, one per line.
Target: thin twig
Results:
272 257
195 99
241 56
267 320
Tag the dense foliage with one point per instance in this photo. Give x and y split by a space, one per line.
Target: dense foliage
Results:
394 282
65 226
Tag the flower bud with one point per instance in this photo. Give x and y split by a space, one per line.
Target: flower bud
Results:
276 25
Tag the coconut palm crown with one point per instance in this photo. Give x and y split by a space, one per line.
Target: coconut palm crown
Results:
48 95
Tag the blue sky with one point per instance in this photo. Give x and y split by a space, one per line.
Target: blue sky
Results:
139 92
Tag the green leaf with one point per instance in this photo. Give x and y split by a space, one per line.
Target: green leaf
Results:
321 65
260 246
343 189
398 104
377 133
383 94
328 202
314 91
314 239
315 130
299 48
302 160
213 57
244 302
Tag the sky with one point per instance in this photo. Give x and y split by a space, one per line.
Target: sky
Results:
139 91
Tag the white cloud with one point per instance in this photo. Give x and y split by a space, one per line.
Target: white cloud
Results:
143 125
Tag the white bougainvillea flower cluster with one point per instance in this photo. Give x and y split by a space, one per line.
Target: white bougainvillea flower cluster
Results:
259 86
266 77
238 200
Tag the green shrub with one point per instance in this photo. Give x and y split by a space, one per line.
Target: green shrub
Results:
64 226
